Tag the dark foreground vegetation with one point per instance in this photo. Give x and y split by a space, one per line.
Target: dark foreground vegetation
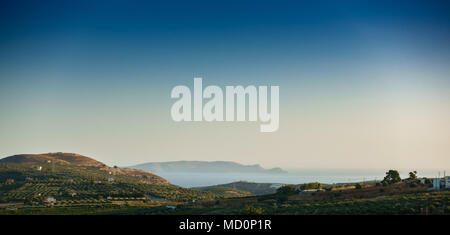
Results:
394 199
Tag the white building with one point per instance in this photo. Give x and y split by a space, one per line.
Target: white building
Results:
437 183
50 200
110 180
441 183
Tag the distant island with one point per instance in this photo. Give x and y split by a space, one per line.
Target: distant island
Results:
205 167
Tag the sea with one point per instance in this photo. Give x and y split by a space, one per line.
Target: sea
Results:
293 176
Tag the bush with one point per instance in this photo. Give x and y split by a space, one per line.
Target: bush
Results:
287 189
392 177
250 210
313 185
282 198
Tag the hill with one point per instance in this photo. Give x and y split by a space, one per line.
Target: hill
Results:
74 179
399 198
205 167
226 192
72 159
244 186
62 158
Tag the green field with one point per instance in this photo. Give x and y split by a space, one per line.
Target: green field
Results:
74 185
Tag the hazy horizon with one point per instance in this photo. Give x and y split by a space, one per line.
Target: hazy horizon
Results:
289 168
363 85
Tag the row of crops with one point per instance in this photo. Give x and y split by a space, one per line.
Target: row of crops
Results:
417 203
22 182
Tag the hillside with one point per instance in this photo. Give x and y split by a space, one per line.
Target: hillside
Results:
205 167
74 179
62 158
399 198
72 159
226 192
243 186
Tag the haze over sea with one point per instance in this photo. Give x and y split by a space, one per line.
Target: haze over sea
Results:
294 176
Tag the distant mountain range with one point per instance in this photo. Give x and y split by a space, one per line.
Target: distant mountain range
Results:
205 167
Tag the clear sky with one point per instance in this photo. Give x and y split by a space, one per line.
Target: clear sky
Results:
363 84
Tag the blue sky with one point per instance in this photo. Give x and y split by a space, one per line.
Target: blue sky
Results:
94 77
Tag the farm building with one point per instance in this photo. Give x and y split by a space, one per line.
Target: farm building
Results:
441 183
50 200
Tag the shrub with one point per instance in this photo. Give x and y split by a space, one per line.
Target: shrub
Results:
313 185
392 177
250 210
287 189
